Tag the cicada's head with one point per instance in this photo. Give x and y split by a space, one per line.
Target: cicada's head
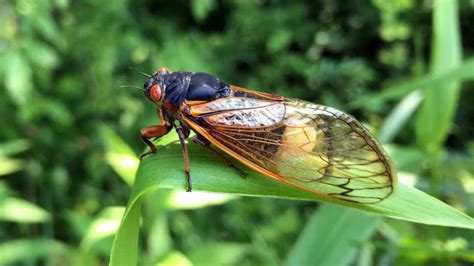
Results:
155 86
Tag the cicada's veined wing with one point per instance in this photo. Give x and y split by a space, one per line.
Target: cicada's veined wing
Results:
312 147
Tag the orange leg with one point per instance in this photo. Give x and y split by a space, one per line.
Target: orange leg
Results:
155 131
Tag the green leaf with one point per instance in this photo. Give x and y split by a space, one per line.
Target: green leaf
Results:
399 116
219 253
104 225
124 249
27 251
202 8
440 102
41 54
119 155
159 239
332 237
8 166
14 147
175 258
21 211
165 170
18 78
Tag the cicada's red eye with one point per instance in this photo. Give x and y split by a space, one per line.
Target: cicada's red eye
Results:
155 93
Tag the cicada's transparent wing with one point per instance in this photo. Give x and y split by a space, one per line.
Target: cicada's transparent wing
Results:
313 147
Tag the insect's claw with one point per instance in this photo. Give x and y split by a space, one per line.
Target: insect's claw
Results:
189 182
145 154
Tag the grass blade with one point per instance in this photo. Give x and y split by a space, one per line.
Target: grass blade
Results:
165 170
332 237
399 116
440 102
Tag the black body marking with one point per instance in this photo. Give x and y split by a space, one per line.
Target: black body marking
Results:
192 86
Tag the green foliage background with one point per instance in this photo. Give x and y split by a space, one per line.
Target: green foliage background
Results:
403 67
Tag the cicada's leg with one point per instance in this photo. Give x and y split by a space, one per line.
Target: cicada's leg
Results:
198 139
183 133
155 131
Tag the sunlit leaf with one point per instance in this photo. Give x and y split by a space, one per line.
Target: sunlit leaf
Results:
399 116
175 258
180 199
104 225
119 155
21 211
8 166
18 78
124 165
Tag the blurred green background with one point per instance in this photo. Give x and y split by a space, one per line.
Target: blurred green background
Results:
403 67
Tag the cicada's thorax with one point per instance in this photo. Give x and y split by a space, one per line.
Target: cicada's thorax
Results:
193 87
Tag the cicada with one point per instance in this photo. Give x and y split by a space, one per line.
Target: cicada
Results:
309 146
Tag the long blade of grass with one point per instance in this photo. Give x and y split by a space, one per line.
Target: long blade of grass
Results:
399 116
165 170
332 237
440 102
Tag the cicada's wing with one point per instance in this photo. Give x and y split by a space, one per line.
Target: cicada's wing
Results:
312 147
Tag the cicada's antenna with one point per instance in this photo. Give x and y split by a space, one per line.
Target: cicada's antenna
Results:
131 86
140 72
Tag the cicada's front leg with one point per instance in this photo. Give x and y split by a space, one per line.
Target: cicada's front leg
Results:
155 131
